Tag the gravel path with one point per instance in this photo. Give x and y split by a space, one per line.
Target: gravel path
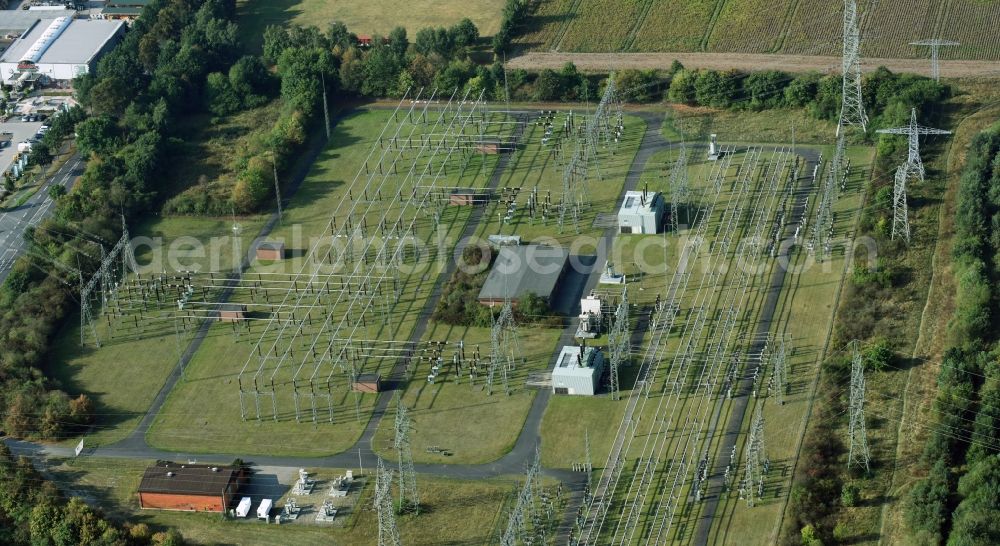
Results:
744 61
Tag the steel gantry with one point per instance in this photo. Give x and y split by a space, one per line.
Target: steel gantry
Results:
935 45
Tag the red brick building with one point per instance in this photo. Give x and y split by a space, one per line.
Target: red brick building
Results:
193 488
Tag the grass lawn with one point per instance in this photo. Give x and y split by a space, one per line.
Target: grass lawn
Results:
460 416
804 313
212 379
371 17
124 375
454 511
772 126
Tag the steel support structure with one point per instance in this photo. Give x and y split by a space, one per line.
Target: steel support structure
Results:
935 45
852 107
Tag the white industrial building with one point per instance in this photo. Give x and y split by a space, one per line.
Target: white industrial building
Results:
641 212
578 370
60 49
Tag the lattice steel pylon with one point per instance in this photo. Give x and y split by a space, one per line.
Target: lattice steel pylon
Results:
823 226
503 345
914 166
935 45
779 371
516 531
756 461
680 189
618 343
388 533
115 267
900 212
852 108
409 498
858 452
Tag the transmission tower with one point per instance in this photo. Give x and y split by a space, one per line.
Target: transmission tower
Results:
618 343
900 212
935 45
516 531
388 533
779 374
756 461
679 187
914 166
408 496
823 226
852 108
503 344
858 434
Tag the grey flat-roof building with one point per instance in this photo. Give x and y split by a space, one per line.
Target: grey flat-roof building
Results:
578 371
641 212
524 269
61 48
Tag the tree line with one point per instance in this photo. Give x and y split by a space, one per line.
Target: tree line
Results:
125 130
34 512
958 502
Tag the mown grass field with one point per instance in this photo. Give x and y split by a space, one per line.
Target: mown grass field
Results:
125 373
810 27
203 411
369 17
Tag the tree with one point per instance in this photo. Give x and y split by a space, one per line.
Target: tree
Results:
927 505
250 81
56 191
548 86
878 355
682 87
97 135
464 34
381 69
802 89
220 98
398 43
338 35
765 89
276 41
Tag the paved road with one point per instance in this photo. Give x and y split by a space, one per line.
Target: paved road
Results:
743 61
14 221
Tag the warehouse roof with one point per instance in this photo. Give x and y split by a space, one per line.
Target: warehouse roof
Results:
188 479
520 270
78 44
636 203
17 21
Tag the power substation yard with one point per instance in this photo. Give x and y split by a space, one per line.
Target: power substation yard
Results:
365 342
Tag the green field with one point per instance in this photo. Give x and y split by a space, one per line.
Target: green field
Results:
810 27
371 17
212 379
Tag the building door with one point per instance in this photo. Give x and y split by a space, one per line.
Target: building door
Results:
561 390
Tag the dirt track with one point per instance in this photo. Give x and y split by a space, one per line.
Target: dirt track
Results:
593 62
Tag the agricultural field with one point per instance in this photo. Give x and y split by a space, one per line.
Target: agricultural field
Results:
370 17
750 26
803 27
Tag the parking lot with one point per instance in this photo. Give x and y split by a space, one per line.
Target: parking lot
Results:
22 130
